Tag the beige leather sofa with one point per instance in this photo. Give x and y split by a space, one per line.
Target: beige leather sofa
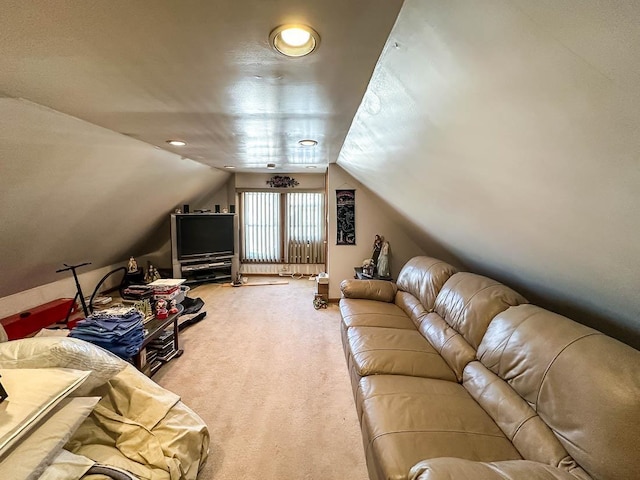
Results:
458 377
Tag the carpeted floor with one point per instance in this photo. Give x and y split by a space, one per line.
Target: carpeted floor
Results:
266 372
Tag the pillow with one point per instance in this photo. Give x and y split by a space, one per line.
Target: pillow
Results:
32 394
380 290
63 352
3 334
43 445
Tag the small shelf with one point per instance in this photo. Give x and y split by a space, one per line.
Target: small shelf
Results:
191 280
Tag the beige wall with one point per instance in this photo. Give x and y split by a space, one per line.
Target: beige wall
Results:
72 192
508 133
259 180
372 217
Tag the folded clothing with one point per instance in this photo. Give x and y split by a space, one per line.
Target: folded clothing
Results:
120 331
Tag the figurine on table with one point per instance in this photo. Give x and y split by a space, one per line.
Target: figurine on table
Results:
133 265
161 309
383 260
377 246
174 306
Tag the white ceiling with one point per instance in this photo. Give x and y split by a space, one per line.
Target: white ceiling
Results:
202 72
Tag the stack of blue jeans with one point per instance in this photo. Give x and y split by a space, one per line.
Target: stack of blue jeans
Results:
119 330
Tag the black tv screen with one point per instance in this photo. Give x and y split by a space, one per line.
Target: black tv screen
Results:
204 235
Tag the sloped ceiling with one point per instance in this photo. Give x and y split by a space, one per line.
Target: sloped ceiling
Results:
90 91
72 192
199 71
508 132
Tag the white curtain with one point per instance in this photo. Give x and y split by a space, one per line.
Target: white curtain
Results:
261 227
305 227
302 218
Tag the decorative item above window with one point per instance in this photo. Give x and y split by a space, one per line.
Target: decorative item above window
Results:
278 181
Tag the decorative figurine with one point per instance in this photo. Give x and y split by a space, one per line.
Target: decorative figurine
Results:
383 260
161 309
367 267
377 246
133 265
174 306
155 274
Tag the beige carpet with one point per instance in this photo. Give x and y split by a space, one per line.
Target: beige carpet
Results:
266 372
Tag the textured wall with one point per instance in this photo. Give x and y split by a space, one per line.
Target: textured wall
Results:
508 133
72 192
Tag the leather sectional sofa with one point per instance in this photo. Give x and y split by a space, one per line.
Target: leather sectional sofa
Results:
458 377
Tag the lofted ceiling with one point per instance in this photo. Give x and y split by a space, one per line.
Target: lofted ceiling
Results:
201 72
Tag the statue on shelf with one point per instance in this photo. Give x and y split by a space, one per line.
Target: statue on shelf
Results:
383 260
377 246
132 267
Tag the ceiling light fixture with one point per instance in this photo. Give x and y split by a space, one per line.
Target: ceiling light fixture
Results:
311 166
229 166
271 166
176 143
308 143
294 40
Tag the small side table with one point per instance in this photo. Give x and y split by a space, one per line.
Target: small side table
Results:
153 329
359 274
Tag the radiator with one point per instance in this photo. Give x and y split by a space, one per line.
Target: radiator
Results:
306 252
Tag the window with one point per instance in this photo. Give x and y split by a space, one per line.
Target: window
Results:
283 227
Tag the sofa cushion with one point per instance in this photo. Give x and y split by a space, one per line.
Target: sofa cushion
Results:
460 469
359 313
584 385
517 420
423 277
380 290
411 306
463 309
468 302
409 419
377 350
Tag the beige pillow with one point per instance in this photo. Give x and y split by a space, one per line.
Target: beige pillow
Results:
33 392
35 451
63 352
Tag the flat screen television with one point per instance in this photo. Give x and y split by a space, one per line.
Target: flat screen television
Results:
203 235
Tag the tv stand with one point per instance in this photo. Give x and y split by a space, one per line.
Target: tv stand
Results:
205 270
204 246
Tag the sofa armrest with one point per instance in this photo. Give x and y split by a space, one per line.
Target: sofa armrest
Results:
460 469
380 290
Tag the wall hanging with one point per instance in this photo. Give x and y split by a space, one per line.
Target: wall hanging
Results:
346 217
278 181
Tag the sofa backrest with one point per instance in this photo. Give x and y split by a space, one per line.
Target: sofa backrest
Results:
423 277
584 385
463 309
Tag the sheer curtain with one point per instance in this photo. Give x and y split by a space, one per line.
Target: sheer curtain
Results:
305 227
261 227
279 227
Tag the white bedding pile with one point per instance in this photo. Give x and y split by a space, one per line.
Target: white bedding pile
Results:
73 405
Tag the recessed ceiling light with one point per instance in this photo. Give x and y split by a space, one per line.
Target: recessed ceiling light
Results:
294 40
176 143
229 166
271 166
311 166
308 143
